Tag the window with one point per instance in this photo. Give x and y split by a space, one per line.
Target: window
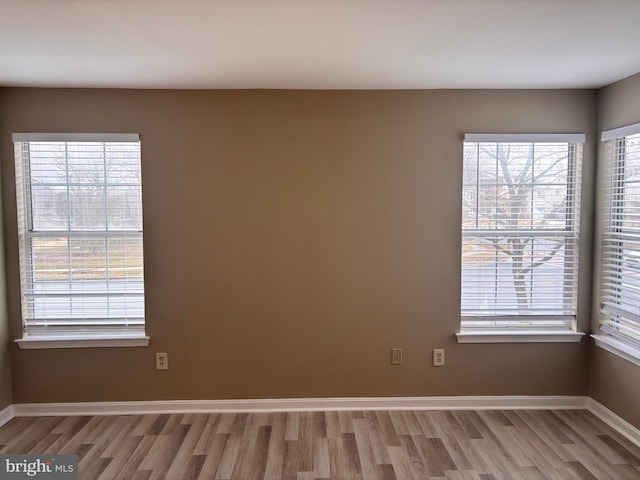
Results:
520 219
620 238
79 199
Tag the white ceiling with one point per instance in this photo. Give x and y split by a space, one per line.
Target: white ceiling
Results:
318 44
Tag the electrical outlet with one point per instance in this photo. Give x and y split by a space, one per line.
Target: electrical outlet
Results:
438 357
396 356
162 361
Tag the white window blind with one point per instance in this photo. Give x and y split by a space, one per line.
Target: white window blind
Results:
79 199
620 241
520 231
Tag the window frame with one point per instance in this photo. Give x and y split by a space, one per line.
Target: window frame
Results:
611 210
85 335
538 328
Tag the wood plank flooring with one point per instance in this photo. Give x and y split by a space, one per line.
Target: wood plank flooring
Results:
442 445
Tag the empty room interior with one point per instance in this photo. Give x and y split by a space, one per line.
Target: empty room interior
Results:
320 239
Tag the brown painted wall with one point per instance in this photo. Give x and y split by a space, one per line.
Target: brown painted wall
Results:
614 382
6 396
5 367
292 238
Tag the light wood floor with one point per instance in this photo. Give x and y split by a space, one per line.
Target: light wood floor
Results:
451 445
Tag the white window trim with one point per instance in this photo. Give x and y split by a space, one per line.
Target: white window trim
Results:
621 349
75 137
524 335
37 342
80 340
620 132
526 137
519 336
626 350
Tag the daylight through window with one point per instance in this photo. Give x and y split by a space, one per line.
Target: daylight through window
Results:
620 241
520 232
80 230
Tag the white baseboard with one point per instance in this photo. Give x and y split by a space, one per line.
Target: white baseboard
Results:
302 404
615 421
6 415
326 404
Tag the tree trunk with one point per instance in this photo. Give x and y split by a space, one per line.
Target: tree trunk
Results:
518 276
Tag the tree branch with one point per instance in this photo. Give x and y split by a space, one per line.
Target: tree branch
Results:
545 259
501 249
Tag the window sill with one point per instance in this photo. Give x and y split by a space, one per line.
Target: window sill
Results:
519 336
621 349
31 342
